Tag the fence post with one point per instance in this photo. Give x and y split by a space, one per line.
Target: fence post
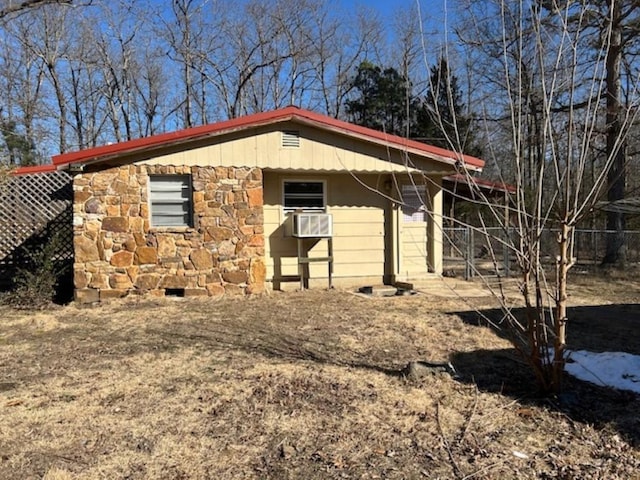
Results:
465 255
468 261
505 252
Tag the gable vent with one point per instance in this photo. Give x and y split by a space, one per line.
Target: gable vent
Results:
291 138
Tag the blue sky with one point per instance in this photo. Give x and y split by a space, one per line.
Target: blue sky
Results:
386 8
433 11
432 8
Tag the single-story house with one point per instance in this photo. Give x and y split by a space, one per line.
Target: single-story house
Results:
247 204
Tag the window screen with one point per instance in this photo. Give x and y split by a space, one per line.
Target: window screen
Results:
308 196
413 204
170 200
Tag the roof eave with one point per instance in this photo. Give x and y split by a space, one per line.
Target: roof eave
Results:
159 145
388 143
151 144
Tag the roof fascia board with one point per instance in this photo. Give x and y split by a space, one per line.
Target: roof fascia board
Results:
387 143
293 114
109 152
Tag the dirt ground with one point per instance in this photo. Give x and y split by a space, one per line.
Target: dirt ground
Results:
306 385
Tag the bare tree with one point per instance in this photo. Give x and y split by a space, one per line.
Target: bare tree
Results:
115 52
22 81
551 85
196 36
12 7
86 76
49 41
621 20
182 40
149 84
341 43
84 87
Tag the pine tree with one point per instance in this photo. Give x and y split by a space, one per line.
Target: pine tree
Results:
383 100
441 120
18 148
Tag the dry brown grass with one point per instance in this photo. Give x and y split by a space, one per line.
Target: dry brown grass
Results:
296 385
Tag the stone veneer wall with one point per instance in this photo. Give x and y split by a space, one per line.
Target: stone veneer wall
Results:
117 252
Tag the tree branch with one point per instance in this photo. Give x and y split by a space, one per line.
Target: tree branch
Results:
17 7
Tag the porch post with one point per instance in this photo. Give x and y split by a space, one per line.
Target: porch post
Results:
394 235
435 226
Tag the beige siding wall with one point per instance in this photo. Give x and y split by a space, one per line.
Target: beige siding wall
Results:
358 226
318 151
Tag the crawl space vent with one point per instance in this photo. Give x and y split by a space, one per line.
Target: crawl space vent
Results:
174 292
291 139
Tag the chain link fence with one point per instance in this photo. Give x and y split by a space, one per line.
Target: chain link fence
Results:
469 251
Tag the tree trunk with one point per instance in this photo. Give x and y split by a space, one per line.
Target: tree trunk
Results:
560 324
62 106
616 177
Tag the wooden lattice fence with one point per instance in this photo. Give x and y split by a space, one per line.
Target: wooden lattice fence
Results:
34 209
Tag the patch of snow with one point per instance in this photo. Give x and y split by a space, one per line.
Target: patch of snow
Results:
617 370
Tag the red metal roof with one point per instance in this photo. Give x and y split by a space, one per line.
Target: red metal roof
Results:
34 169
266 118
480 182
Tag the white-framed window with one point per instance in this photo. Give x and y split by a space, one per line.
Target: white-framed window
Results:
305 195
170 201
414 207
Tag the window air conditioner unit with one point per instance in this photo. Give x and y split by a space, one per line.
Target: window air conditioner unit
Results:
312 225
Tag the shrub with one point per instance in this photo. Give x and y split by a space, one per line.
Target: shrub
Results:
38 277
